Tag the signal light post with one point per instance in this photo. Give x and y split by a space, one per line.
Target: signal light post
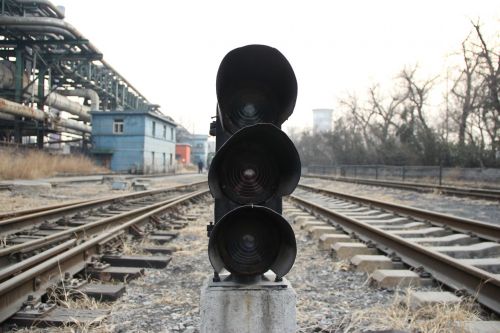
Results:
251 246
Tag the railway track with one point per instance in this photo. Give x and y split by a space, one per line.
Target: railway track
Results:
30 266
30 233
480 193
462 254
78 205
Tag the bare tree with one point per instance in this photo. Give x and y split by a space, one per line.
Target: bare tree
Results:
490 113
415 94
386 112
466 90
361 117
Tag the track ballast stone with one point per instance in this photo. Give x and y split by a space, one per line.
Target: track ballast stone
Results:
167 300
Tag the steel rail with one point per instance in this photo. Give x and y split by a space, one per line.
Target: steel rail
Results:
17 213
37 279
480 193
27 220
36 259
484 230
85 230
483 285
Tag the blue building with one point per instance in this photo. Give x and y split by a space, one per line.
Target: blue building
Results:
199 148
134 141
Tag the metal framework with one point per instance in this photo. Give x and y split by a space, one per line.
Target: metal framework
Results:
50 56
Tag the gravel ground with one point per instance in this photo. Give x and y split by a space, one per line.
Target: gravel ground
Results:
329 293
66 192
167 300
477 209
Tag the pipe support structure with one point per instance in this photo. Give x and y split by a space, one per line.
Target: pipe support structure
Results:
54 99
65 29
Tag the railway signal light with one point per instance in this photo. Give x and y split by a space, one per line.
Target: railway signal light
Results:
255 164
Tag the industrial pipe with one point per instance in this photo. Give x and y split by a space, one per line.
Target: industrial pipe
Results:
5 116
64 104
20 110
44 3
87 93
73 124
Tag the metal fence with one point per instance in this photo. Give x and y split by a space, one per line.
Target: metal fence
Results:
433 174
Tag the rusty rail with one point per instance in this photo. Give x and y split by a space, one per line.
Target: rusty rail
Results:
37 279
451 272
484 230
480 193
26 219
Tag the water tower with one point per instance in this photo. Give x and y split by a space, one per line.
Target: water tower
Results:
322 120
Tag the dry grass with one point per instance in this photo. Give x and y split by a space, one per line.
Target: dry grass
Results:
74 300
398 315
31 164
135 246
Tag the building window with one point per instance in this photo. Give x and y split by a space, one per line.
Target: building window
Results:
154 129
172 133
165 131
152 161
171 161
118 126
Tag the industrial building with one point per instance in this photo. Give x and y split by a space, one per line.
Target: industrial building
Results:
52 79
134 141
322 120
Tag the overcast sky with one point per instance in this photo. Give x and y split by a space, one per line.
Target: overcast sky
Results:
171 50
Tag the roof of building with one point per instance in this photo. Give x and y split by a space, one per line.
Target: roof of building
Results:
156 115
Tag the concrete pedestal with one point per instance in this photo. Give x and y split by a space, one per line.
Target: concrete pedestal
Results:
228 307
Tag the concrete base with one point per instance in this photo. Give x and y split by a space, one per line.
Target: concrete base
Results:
477 326
308 225
395 278
421 299
327 240
228 307
345 250
303 219
370 263
485 249
120 185
29 187
316 232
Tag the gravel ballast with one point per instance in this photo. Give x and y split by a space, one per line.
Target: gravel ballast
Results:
477 209
328 291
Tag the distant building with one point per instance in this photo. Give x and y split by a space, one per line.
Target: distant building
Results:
199 148
199 144
134 141
322 120
211 152
183 153
211 146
